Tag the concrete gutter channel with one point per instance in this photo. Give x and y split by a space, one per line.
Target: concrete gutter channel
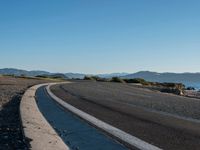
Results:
45 137
42 136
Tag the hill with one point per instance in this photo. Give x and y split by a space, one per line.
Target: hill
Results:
166 77
75 75
19 72
186 78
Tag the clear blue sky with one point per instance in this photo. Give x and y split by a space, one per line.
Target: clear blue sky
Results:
100 36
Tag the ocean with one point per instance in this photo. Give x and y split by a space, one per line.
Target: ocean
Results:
192 84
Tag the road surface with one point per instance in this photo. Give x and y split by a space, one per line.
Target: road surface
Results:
111 103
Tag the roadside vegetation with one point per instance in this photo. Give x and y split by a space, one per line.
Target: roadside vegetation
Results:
53 78
96 78
137 80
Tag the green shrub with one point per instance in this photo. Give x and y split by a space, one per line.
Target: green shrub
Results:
41 76
9 75
117 79
96 78
89 78
137 80
175 88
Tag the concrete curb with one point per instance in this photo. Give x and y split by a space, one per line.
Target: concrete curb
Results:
123 136
35 127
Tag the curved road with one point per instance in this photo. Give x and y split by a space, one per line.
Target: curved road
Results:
106 102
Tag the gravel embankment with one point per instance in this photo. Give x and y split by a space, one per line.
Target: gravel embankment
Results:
11 91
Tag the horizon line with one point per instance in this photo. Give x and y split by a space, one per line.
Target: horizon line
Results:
99 73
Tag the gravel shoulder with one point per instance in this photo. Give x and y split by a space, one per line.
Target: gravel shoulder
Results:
11 91
98 99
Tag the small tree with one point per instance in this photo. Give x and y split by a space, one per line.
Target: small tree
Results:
117 79
88 78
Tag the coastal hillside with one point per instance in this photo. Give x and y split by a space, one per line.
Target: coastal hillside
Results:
189 79
166 77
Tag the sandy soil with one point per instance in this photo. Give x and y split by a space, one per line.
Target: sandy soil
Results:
11 91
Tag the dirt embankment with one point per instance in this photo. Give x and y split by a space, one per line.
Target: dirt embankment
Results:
11 91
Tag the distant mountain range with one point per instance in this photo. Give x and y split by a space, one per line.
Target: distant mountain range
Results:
185 78
19 72
75 75
112 75
147 75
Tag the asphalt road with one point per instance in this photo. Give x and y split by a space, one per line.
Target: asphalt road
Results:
100 100
75 132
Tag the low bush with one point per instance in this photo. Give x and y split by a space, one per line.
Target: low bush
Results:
8 75
96 78
41 76
137 80
117 79
89 78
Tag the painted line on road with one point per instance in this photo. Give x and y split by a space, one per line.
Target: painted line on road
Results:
123 136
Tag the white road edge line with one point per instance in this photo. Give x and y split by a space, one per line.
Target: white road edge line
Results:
127 138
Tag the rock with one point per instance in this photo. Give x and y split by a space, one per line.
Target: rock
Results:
190 88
